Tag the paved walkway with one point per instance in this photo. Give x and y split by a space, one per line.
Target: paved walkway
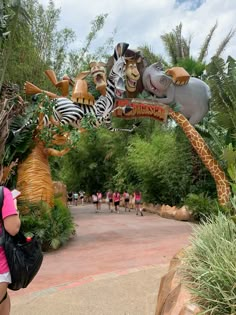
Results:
112 266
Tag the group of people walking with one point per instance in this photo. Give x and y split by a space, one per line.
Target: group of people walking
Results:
74 197
113 199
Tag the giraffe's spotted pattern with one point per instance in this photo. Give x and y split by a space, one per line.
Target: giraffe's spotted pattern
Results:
222 184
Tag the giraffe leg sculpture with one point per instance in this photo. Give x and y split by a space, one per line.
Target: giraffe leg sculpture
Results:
222 184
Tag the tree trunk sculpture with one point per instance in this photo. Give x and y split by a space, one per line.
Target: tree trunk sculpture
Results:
34 175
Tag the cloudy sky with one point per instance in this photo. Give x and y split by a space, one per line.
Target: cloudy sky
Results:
140 22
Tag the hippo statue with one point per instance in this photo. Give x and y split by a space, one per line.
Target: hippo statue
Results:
192 98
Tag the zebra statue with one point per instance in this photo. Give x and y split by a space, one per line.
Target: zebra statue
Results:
67 112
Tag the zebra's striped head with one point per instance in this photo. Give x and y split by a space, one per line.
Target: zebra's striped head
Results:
117 73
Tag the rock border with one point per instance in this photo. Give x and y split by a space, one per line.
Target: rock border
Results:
173 297
168 212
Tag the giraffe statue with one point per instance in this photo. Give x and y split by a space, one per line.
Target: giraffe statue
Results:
200 146
158 111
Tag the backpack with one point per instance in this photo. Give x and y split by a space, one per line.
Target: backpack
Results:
24 255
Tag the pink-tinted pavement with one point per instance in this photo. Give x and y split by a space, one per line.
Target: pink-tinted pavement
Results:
109 242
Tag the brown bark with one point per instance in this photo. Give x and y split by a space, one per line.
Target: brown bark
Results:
34 177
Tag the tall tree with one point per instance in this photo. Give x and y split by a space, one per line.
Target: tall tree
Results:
13 14
206 43
52 44
176 45
79 59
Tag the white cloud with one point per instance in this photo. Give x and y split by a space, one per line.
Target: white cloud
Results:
141 22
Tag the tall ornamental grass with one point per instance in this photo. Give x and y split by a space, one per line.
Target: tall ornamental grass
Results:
209 266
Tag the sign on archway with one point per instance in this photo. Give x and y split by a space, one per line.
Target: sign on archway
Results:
141 108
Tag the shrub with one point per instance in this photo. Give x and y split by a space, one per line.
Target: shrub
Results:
202 206
159 167
209 266
54 226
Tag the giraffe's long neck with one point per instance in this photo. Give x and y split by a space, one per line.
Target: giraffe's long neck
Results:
222 184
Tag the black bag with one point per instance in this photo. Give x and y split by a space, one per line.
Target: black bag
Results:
24 256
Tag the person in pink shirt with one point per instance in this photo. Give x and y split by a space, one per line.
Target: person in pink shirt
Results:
11 223
138 201
116 200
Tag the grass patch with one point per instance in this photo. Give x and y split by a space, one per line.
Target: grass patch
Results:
209 266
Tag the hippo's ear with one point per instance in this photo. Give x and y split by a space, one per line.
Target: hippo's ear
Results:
165 80
158 65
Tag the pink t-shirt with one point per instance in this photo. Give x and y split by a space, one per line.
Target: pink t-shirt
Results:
99 196
7 210
116 197
137 196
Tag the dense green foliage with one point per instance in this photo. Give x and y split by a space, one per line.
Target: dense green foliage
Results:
229 155
222 80
209 266
87 167
54 226
165 178
203 207
161 164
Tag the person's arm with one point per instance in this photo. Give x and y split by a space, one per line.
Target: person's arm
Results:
12 224
10 215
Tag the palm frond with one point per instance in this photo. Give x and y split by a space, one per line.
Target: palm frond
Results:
150 56
18 144
176 45
221 77
170 45
204 48
225 42
193 67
